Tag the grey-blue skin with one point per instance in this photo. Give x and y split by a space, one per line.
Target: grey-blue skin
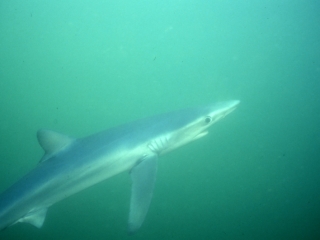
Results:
70 165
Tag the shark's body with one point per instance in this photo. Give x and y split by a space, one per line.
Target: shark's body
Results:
71 165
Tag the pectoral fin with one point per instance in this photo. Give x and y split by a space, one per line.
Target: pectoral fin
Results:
143 178
36 218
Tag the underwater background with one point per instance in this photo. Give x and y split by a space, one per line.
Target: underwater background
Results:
79 67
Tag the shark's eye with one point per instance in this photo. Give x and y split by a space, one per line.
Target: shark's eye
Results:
208 119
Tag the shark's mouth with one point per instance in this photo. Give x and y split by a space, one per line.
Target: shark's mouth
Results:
200 135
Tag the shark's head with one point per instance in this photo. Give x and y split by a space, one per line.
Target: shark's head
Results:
191 124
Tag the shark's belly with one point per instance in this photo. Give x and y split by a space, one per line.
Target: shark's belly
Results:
66 183
93 172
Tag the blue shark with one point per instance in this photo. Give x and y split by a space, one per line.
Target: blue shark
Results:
70 165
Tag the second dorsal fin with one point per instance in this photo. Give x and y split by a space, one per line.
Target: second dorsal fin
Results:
52 142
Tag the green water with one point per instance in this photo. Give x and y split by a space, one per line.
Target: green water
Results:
79 67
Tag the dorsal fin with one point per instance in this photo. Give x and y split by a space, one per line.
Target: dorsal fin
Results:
52 142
